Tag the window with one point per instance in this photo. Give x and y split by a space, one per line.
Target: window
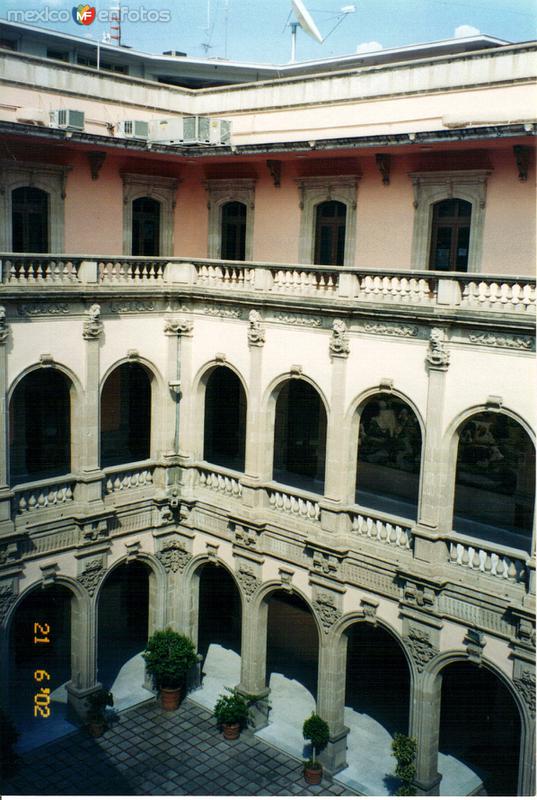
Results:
225 420
58 55
145 227
330 233
449 219
231 218
126 416
450 236
29 215
40 438
328 221
234 231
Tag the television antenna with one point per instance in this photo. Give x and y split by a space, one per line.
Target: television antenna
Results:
305 21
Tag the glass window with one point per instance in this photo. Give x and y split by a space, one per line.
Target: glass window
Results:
450 235
30 209
330 227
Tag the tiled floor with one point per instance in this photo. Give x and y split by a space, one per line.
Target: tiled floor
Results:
151 752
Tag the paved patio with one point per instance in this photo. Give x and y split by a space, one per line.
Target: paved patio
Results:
148 751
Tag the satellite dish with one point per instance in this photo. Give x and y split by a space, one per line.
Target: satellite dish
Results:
305 20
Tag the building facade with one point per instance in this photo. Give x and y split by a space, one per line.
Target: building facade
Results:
275 392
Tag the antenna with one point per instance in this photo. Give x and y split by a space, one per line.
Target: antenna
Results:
115 24
304 21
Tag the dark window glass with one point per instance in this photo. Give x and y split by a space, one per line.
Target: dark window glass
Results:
225 420
450 235
29 220
495 484
330 225
233 231
389 457
126 416
40 438
145 227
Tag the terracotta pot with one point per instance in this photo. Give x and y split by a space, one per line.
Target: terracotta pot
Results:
96 727
231 730
313 775
170 699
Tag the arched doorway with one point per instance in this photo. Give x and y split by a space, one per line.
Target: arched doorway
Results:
219 621
40 665
145 227
450 235
224 434
233 241
40 430
480 725
495 480
291 669
389 457
123 626
330 227
300 437
30 215
126 416
377 700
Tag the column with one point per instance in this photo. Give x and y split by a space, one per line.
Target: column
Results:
83 655
255 427
425 728
6 525
253 661
179 441
331 700
87 445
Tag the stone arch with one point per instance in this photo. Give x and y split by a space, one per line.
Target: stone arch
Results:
352 422
450 446
75 393
191 588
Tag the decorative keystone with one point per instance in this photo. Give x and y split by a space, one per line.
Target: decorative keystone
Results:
256 330
339 346
437 355
93 327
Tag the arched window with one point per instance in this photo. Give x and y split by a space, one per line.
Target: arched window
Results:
126 416
225 420
450 235
30 213
389 457
233 231
145 227
300 437
40 426
495 482
330 226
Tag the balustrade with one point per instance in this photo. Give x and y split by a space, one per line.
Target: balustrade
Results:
396 289
125 479
225 275
145 271
294 504
498 295
487 561
30 270
218 482
42 496
388 533
294 281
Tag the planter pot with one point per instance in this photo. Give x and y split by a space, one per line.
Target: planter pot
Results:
170 699
232 730
96 728
313 775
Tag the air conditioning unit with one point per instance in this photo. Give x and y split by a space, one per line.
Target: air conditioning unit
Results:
219 131
189 130
68 119
170 131
133 129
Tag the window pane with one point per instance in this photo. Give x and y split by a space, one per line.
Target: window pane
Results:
442 251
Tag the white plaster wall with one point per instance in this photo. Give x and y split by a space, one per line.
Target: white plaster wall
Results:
219 335
35 337
292 345
145 334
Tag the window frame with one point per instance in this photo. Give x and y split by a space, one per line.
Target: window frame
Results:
158 188
225 190
312 192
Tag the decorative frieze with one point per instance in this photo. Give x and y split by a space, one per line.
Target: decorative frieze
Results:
221 311
256 330
93 327
299 319
437 355
131 306
326 608
92 575
247 580
390 329
509 341
42 309
174 556
178 327
525 685
339 346
420 646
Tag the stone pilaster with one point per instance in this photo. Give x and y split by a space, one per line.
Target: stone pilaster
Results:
331 701
180 407
253 660
6 525
255 446
83 655
425 728
336 474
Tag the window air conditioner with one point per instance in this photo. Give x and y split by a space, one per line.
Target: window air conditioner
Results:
68 119
133 129
190 130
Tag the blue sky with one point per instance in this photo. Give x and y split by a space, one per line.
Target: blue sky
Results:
256 28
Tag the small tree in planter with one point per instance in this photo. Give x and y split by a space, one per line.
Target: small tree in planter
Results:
316 730
232 712
168 657
96 704
8 738
404 750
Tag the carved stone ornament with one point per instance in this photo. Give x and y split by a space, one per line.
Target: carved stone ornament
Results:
93 327
525 684
92 575
174 557
8 553
503 340
325 563
390 329
437 355
369 607
475 644
245 537
4 327
418 595
256 330
327 610
339 341
178 327
7 598
420 646
286 577
526 632
94 531
247 580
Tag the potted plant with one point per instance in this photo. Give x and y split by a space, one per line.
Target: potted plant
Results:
316 730
95 718
231 712
8 756
168 657
404 750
